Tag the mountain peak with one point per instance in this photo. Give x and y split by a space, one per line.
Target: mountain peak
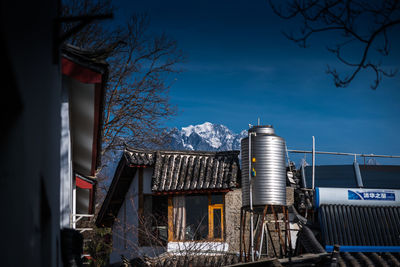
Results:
206 136
200 128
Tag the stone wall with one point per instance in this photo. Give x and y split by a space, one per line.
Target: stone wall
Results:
233 204
289 195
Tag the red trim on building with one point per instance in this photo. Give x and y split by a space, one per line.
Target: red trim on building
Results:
138 166
83 184
78 72
186 192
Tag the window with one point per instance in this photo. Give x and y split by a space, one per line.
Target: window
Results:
196 217
153 223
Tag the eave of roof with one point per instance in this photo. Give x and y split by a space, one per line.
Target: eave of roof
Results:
92 60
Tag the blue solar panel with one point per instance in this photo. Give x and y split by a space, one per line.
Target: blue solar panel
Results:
343 176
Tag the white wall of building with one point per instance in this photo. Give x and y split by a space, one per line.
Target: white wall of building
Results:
147 175
125 234
66 181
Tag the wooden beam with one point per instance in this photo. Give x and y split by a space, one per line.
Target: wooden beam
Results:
170 220
185 192
140 209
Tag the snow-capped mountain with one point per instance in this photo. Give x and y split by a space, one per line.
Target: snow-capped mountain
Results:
206 137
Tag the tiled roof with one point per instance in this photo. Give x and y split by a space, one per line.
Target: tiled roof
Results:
193 260
139 157
188 170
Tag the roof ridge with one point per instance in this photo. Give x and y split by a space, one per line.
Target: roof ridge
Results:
167 151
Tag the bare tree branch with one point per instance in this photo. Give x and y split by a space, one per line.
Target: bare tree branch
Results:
142 66
351 18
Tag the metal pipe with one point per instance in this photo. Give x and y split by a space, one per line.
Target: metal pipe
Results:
240 235
262 240
343 154
313 162
251 204
287 156
303 176
357 173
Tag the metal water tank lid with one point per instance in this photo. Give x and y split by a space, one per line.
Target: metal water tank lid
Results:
262 129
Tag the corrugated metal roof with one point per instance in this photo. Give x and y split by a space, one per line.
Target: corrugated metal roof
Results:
355 226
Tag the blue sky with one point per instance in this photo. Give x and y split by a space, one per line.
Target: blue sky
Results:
240 67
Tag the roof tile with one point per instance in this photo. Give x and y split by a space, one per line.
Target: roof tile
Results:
188 170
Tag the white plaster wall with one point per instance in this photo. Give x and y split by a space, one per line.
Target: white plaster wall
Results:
147 174
66 163
206 247
131 204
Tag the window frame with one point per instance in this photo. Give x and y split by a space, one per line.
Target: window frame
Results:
211 208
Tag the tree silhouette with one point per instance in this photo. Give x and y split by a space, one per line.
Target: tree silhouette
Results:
367 25
141 70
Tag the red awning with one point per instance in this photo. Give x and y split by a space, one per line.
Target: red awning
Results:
78 72
83 184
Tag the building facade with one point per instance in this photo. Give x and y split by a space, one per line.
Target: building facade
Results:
173 201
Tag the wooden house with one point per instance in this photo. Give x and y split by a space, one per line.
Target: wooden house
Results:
173 201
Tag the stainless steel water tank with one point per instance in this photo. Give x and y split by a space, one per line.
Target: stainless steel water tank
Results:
269 182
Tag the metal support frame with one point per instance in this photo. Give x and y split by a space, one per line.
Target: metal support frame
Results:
343 154
76 218
262 232
356 166
357 173
73 224
303 175
313 162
